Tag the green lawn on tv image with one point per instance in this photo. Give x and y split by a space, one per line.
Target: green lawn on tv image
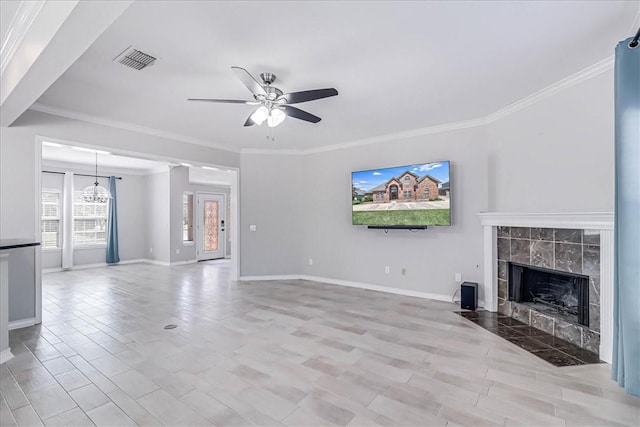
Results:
402 217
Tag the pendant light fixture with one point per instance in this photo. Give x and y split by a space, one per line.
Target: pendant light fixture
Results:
96 193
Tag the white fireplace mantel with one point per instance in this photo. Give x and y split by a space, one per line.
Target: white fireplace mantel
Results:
583 220
602 221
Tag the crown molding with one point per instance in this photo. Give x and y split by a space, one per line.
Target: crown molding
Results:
376 139
48 109
430 130
18 29
272 151
572 80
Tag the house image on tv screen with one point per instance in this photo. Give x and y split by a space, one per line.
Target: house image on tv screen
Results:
411 195
406 187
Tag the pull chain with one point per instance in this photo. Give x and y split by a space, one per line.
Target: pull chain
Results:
270 134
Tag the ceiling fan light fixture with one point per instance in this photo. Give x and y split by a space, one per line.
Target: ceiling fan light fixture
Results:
260 115
276 117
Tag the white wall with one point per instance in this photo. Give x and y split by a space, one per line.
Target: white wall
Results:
432 257
179 184
18 184
308 198
273 191
556 155
132 216
158 220
314 215
18 217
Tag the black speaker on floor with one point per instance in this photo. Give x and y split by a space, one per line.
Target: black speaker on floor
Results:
469 295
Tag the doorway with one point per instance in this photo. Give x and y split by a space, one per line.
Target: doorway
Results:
211 220
142 164
394 192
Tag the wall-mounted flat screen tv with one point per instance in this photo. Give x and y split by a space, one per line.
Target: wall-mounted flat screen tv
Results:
415 195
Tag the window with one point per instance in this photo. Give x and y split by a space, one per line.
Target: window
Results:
89 221
407 194
50 221
187 218
407 180
426 193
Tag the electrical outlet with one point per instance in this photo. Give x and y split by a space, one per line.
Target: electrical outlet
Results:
310 261
403 271
387 269
253 227
177 251
458 277
150 250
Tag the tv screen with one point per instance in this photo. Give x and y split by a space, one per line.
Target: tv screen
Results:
403 196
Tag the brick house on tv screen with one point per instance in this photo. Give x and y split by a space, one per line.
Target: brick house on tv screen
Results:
407 186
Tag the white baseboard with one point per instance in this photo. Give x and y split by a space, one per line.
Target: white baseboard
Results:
130 261
360 285
157 262
86 266
191 261
266 278
367 286
23 323
96 265
5 355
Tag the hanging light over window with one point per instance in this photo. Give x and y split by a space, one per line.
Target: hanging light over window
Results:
96 193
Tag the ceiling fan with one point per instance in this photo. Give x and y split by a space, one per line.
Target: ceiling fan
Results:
273 105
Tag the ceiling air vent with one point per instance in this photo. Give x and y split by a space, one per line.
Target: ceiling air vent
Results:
134 58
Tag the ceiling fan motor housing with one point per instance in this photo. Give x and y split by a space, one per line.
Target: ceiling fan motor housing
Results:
272 93
268 78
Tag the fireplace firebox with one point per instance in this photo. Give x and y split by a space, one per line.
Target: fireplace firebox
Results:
556 293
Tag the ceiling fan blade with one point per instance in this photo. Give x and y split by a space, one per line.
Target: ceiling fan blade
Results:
299 114
309 95
247 79
225 101
249 122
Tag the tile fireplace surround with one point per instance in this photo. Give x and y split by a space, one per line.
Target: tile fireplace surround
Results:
576 242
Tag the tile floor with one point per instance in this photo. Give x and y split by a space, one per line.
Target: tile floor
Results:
554 350
290 353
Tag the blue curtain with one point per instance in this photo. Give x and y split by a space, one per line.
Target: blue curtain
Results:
626 330
112 225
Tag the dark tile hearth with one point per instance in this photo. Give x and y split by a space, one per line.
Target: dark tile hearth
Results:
547 347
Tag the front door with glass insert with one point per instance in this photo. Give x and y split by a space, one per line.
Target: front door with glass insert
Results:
394 192
211 226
